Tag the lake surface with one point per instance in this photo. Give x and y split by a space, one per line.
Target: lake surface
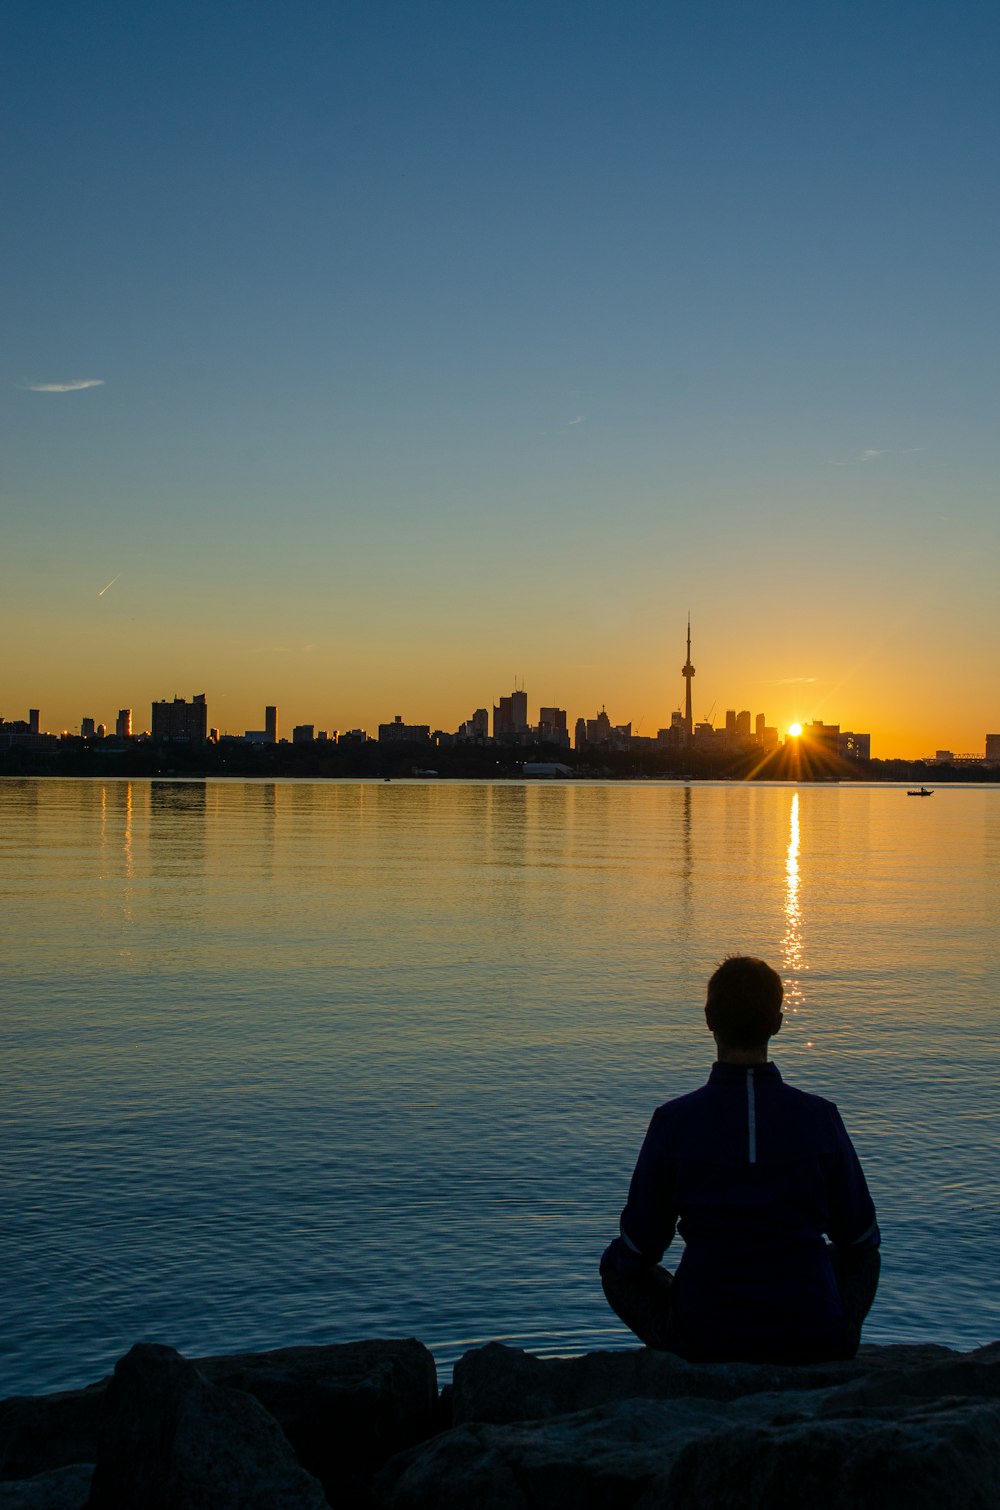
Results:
306 1062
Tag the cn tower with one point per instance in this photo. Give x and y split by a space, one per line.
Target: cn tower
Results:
687 672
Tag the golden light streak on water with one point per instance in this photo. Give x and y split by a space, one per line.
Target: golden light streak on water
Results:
792 955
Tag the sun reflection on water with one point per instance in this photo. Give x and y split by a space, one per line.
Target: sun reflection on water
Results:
792 959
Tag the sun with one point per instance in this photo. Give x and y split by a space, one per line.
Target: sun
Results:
795 730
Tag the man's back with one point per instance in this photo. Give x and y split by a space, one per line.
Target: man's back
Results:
755 1176
754 1173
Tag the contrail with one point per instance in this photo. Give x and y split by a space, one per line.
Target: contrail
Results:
110 584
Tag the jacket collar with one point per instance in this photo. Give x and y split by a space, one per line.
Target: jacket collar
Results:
730 1074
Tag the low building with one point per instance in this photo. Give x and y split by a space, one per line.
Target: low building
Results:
399 733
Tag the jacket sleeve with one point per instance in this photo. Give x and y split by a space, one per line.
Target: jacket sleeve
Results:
853 1224
650 1215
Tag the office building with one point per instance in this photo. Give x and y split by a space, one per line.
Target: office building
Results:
399 733
854 746
475 730
180 722
87 728
303 734
271 726
822 737
552 727
601 733
993 749
123 723
510 719
743 726
33 721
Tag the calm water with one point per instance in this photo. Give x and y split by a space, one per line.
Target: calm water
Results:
295 1062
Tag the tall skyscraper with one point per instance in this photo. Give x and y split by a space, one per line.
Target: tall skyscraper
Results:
123 723
511 717
33 717
687 672
271 726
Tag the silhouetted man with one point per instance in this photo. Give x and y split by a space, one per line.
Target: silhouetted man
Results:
755 1176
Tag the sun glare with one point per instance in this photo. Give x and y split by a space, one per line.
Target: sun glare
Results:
795 730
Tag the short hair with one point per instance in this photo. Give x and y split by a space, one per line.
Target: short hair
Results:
744 1002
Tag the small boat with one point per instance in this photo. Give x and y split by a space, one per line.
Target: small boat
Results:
925 791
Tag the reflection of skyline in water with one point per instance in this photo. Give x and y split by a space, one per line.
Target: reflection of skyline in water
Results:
792 958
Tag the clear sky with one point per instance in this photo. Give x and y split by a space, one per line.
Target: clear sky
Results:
429 345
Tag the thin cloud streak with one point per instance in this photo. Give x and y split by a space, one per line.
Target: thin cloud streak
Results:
71 387
872 453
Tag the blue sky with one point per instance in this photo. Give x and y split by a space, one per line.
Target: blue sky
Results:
442 343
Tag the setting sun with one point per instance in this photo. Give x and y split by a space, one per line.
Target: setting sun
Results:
795 730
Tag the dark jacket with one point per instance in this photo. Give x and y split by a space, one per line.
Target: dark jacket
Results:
754 1175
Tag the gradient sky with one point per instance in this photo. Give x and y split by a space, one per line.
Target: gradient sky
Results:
431 345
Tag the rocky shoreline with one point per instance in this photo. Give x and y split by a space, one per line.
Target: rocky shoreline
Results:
363 1426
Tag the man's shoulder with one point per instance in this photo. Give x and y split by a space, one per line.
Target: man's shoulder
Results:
808 1101
679 1106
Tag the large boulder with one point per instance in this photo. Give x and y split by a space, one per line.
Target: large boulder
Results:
169 1440
497 1383
42 1432
345 1408
753 1453
919 1457
903 1428
593 1460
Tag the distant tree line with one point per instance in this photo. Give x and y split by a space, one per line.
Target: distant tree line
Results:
325 759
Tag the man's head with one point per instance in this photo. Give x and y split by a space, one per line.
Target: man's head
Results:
743 1009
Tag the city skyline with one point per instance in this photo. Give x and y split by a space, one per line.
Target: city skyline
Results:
358 357
510 713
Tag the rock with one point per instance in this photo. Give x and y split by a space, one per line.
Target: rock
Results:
61 1489
41 1432
345 1408
752 1453
943 1453
497 1383
593 1460
169 1440
896 1426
